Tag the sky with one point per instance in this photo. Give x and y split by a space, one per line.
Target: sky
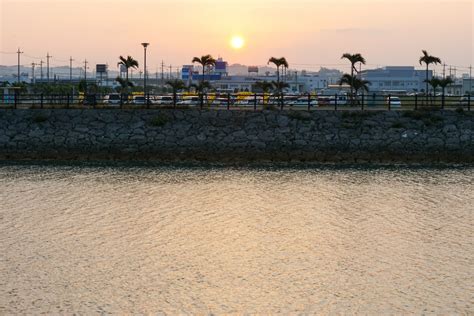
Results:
309 33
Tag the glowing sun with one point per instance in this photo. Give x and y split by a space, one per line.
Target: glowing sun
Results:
237 42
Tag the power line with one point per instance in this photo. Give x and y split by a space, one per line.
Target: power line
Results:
33 57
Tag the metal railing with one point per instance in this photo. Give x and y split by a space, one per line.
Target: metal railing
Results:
241 101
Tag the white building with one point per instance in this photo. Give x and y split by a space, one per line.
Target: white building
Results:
396 78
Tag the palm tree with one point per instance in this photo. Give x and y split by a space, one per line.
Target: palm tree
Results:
204 61
128 62
434 83
278 62
124 85
361 84
176 85
265 86
201 88
443 83
428 59
353 59
278 88
355 83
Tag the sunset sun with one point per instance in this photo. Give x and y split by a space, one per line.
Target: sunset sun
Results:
237 42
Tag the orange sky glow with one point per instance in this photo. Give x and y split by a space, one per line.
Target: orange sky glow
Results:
309 33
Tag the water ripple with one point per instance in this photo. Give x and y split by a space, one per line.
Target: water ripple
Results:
151 240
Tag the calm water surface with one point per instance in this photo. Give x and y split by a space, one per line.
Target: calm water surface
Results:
151 239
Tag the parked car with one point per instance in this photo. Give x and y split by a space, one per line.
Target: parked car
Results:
221 102
303 101
189 101
341 100
90 99
138 100
245 102
163 100
464 101
394 102
112 99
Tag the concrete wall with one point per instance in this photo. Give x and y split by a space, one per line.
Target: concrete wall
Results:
164 135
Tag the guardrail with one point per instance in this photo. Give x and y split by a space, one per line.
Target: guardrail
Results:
248 101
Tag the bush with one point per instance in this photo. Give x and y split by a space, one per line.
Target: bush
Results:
159 120
417 115
357 115
40 118
299 115
398 125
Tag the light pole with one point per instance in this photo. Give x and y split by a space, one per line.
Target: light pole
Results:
19 53
145 45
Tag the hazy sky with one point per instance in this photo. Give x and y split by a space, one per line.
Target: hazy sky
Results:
309 33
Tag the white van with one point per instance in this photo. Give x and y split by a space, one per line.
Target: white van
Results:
112 99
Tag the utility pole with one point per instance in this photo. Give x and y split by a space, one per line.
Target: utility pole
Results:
171 70
19 53
85 69
455 73
47 65
162 72
444 71
296 80
450 71
41 69
470 79
145 45
70 68
33 73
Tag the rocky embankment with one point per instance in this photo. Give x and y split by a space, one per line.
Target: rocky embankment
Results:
238 136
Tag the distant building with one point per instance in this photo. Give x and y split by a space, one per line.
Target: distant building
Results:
467 86
396 78
221 67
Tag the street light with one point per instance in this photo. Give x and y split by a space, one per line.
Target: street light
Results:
145 45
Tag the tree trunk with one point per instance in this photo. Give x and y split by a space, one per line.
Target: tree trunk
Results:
352 84
426 92
203 72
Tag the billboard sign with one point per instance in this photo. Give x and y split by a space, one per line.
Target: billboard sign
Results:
100 68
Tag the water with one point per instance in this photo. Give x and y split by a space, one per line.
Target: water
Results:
151 239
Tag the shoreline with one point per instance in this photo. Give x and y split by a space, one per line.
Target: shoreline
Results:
238 137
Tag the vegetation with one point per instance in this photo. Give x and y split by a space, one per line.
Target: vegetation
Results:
264 86
176 85
201 88
278 62
356 84
398 124
205 61
353 59
299 115
124 85
159 120
128 63
278 87
40 118
427 59
445 82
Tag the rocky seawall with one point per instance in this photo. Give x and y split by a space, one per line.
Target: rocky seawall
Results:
238 136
